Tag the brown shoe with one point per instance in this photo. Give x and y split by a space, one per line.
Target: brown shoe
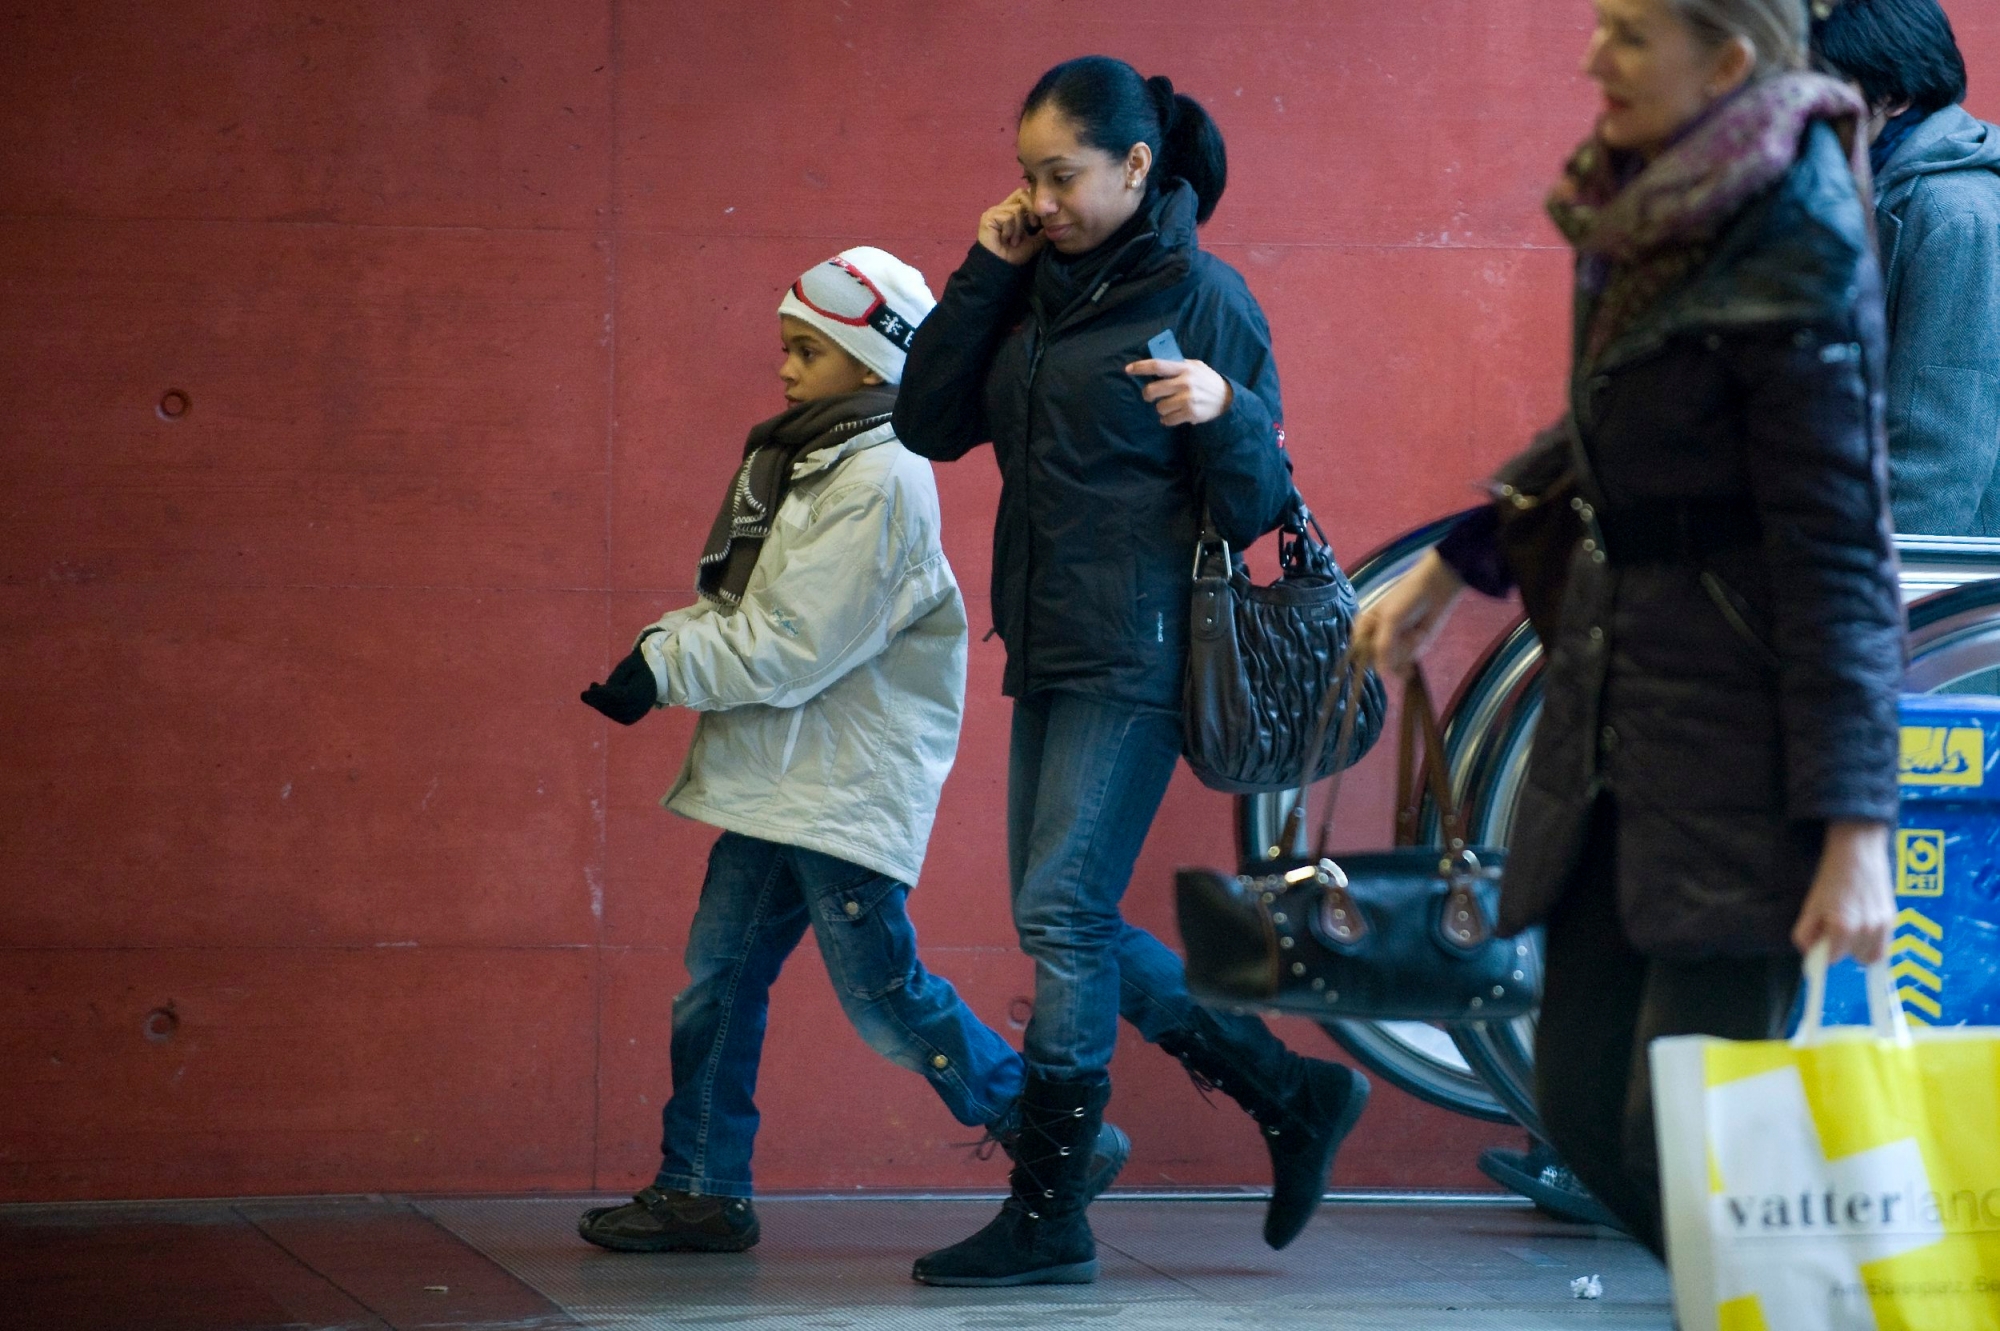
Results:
657 1221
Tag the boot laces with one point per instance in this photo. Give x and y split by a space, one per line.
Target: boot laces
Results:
983 1149
1204 1085
1026 1162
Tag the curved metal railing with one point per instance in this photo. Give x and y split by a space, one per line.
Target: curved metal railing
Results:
1486 1071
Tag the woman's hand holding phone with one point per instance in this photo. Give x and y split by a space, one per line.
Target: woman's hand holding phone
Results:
1011 230
1185 392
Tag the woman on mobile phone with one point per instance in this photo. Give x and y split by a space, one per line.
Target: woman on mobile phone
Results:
1108 453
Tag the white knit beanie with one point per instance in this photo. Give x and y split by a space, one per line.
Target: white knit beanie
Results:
868 301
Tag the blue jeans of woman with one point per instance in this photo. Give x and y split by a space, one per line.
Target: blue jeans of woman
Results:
1085 778
756 904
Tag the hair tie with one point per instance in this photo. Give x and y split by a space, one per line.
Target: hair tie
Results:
1164 102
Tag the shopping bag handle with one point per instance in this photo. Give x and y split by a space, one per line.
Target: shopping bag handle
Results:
1885 1010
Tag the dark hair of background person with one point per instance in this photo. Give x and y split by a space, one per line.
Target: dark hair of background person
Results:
1113 108
1897 50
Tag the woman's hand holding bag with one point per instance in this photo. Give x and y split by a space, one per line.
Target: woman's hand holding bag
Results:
1400 626
1851 907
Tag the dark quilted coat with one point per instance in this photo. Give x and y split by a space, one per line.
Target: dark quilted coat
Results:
1100 503
1734 702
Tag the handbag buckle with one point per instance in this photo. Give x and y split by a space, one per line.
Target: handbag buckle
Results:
1340 917
1201 549
1464 924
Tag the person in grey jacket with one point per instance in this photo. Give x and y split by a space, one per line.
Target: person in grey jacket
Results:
1937 220
826 659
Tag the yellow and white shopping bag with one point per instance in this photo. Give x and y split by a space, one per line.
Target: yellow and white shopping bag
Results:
1846 1178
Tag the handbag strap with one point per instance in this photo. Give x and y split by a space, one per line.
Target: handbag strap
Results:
1346 681
1419 719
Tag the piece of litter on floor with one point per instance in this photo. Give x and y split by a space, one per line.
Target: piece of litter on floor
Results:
437 1289
1586 1287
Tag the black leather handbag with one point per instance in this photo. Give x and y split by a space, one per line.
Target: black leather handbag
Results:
1405 934
1262 659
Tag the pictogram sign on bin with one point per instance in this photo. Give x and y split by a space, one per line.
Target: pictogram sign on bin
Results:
1945 957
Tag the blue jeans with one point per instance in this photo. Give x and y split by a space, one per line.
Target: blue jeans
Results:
1085 778
756 903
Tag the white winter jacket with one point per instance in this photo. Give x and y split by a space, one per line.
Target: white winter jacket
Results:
831 696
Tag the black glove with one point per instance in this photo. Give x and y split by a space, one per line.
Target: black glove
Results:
630 692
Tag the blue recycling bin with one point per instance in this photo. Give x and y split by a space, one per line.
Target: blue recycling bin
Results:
1945 958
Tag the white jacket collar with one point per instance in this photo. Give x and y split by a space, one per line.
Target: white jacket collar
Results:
823 458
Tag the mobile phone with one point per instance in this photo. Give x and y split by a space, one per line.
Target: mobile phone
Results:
1164 347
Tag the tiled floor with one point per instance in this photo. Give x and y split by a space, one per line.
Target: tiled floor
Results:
516 1263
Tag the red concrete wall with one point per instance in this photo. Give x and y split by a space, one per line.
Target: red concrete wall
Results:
316 875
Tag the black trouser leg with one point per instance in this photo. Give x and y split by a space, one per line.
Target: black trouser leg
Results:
1592 986
1603 1003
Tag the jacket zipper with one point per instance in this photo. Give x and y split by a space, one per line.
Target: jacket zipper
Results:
1043 332
1028 493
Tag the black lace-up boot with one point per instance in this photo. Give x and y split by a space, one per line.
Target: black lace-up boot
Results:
1306 1106
1107 1157
1040 1236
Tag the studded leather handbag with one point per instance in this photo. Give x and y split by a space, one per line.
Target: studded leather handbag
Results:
1262 659
1405 934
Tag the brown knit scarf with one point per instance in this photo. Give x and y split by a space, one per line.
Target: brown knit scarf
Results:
1647 232
760 484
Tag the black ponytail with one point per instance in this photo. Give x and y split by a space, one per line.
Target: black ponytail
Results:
1113 108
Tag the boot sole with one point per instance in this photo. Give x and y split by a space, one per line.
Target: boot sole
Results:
1350 1114
1077 1273
680 1243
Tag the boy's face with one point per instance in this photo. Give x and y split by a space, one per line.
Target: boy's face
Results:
814 367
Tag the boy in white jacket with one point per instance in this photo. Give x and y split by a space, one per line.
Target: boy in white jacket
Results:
827 659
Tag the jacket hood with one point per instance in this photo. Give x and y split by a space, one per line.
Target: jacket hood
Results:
1947 140
1174 243
1174 217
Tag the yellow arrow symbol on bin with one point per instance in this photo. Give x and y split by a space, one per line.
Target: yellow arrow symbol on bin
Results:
1907 969
1918 920
1923 1003
1905 943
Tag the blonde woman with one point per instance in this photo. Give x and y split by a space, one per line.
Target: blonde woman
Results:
1715 770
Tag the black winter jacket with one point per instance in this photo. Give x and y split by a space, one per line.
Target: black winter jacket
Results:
1100 503
1736 689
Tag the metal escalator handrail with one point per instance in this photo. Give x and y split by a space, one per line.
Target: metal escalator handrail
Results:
1953 632
1486 726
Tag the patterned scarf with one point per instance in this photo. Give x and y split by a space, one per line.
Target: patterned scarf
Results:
737 537
1641 233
